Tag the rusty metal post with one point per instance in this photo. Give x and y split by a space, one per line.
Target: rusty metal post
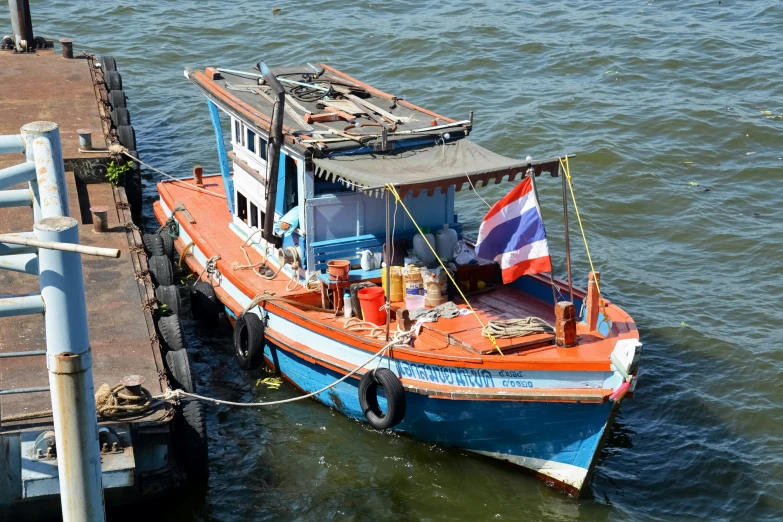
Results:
69 361
67 44
592 305
100 220
21 25
198 176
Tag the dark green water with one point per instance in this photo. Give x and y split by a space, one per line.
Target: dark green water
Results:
677 173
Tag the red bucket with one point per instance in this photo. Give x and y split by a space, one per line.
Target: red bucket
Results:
372 300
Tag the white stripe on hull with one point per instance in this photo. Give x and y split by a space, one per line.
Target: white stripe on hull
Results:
573 476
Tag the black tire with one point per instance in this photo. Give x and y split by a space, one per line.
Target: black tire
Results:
127 136
168 244
169 296
204 304
153 244
194 428
113 80
178 363
161 271
107 63
249 341
117 99
170 329
395 398
120 116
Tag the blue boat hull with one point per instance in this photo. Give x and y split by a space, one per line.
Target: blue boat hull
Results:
558 441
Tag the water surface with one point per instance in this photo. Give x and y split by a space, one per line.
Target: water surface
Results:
674 112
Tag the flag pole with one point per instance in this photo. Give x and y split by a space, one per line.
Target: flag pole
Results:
387 254
531 173
567 237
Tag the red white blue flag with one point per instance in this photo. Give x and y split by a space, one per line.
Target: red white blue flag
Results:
513 234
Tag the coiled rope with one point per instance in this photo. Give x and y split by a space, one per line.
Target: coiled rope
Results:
508 328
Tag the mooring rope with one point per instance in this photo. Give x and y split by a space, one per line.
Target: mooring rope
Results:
400 338
508 328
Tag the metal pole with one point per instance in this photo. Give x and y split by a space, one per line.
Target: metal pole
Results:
43 148
21 25
69 361
387 255
532 174
276 142
567 237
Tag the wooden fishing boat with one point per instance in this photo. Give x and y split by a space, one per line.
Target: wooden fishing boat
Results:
316 163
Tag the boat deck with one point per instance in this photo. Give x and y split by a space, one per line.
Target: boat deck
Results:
460 337
120 328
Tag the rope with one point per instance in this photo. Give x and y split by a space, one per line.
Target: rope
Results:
113 403
210 268
400 338
184 253
505 329
120 148
268 296
171 224
567 172
448 273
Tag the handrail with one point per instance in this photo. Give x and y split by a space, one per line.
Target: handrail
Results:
64 247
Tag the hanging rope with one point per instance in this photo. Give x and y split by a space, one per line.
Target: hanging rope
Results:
567 172
210 268
448 273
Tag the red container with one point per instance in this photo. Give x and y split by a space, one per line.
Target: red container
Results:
372 300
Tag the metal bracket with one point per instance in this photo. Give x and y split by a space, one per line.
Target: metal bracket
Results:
45 447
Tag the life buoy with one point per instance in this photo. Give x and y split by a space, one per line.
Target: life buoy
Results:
249 341
395 398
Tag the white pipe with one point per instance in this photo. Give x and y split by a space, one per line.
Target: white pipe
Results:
16 198
13 239
11 144
69 361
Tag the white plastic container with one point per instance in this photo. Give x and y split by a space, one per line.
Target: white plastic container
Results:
421 249
414 302
445 239
347 304
367 260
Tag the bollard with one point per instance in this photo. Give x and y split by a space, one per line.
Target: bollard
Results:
198 173
85 139
100 220
565 324
67 44
592 304
69 361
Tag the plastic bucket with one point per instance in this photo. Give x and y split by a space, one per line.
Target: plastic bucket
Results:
414 302
373 300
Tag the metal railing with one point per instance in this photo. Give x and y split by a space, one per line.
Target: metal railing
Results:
52 252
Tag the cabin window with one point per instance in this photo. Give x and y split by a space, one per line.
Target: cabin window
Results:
237 131
251 140
262 148
241 206
253 215
291 194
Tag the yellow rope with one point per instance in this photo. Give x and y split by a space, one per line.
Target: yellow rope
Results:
567 173
456 285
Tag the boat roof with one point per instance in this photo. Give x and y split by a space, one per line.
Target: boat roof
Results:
374 138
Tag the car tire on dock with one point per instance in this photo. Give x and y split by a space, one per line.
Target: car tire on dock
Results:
249 341
169 296
120 116
127 136
107 63
395 398
113 80
178 363
170 329
204 304
194 426
161 270
153 244
117 99
168 244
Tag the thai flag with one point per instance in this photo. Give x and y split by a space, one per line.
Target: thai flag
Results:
513 234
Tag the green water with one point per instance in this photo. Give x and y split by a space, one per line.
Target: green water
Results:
677 172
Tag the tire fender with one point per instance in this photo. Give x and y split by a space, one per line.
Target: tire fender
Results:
249 341
204 305
395 398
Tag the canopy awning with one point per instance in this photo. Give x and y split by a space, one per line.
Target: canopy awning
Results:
427 168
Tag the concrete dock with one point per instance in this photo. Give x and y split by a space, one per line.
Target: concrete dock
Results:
119 294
